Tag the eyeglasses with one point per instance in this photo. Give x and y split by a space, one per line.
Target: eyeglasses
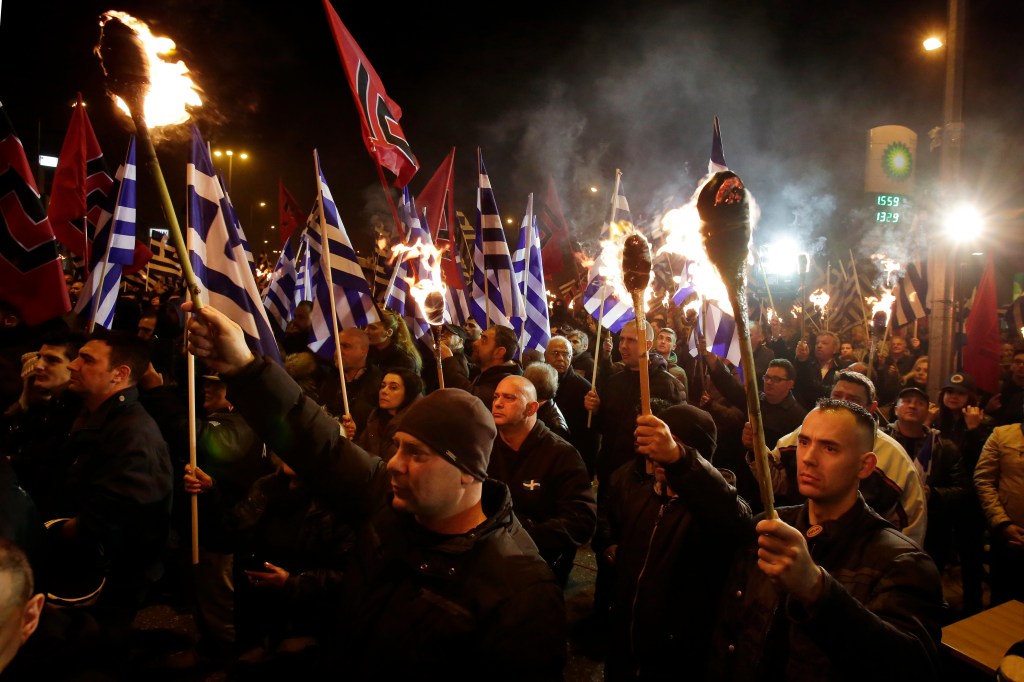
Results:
772 379
559 353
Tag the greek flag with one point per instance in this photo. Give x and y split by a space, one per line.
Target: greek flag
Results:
284 288
496 298
411 267
218 254
622 218
353 302
233 218
113 247
614 314
718 328
165 259
911 294
533 331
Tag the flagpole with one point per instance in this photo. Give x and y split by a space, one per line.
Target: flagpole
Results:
828 294
192 450
597 348
325 263
764 275
860 295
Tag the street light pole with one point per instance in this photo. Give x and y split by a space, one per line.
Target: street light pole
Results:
941 252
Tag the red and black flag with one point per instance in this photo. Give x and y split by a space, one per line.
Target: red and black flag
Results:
291 217
383 135
31 278
557 249
80 186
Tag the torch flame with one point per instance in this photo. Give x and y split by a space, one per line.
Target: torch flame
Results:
171 89
819 299
887 265
881 305
770 315
427 289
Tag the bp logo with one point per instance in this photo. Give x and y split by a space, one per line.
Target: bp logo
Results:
897 161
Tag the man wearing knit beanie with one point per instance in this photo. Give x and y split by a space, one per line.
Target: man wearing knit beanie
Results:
442 582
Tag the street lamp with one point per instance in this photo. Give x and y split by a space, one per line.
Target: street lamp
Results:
231 161
941 252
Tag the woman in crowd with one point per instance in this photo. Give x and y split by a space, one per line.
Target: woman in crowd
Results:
399 389
391 344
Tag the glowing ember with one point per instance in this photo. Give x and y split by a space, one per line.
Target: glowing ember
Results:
819 299
171 89
797 310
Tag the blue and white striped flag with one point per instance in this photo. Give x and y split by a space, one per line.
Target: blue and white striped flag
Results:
410 268
621 217
721 337
911 294
284 287
527 263
352 300
495 295
233 217
113 247
217 251
615 313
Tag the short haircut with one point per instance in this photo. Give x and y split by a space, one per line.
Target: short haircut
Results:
126 349
531 356
668 330
786 365
64 338
505 338
306 305
866 425
14 562
564 341
581 335
544 378
835 337
859 379
411 381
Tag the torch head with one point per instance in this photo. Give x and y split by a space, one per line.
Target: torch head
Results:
124 62
636 262
878 322
724 210
434 309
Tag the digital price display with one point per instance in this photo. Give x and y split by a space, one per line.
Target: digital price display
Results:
890 208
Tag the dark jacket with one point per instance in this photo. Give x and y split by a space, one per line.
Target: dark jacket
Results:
482 605
33 441
484 384
391 356
809 385
378 436
620 406
572 388
119 489
879 616
363 394
553 418
584 362
947 484
672 557
551 492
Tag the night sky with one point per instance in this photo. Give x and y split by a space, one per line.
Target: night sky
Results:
569 89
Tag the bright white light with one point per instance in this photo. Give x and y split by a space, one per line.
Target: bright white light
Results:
780 257
964 224
932 43
47 161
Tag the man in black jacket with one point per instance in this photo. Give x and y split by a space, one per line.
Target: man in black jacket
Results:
492 353
551 490
669 539
829 590
572 389
119 488
443 581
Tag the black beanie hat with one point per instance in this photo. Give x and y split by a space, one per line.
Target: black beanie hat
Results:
456 425
693 426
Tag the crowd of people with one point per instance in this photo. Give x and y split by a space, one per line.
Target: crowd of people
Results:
363 521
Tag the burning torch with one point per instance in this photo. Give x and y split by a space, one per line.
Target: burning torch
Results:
724 209
636 275
126 67
433 310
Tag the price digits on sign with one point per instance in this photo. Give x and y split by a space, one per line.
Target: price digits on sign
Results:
892 204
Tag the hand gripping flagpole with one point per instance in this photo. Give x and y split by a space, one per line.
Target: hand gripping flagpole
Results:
127 70
724 209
